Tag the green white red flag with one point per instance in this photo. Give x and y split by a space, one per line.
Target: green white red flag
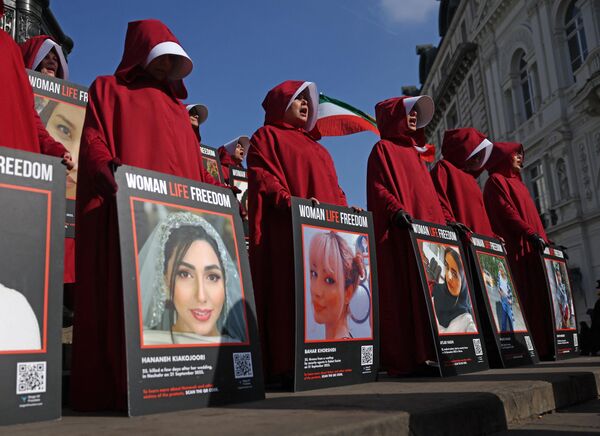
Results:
337 118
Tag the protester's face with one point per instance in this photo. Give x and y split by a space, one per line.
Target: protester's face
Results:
474 163
326 286
453 279
297 113
49 65
411 120
238 153
199 292
517 162
64 125
194 119
160 68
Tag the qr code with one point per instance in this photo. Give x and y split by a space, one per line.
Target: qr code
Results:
242 365
528 343
366 355
575 340
477 346
31 377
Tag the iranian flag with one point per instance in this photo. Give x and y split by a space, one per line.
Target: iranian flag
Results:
337 118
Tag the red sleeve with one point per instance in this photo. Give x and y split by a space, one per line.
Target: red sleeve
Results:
269 186
48 144
95 152
500 208
378 178
439 175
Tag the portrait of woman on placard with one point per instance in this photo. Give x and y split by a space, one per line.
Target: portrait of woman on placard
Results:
190 286
453 309
64 122
563 304
335 275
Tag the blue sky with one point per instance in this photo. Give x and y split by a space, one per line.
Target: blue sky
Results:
357 51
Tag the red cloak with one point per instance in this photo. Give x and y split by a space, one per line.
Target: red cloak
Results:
141 122
459 194
398 179
283 161
515 218
17 114
226 161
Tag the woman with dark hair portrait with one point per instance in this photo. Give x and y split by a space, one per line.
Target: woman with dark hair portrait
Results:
335 273
190 287
451 299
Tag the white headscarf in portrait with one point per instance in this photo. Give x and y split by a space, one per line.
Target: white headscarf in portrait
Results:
155 291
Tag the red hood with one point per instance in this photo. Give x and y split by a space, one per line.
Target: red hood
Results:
32 47
391 122
277 100
142 36
501 159
460 144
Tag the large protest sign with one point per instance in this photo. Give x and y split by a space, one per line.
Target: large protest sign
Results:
561 297
449 298
61 106
211 162
32 207
190 319
336 296
507 334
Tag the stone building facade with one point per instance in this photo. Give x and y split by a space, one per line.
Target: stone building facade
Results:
528 71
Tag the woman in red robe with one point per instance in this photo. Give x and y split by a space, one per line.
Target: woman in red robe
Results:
399 187
41 53
515 218
133 117
284 161
465 153
232 154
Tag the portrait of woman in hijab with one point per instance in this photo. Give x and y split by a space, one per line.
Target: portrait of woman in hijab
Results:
190 286
450 292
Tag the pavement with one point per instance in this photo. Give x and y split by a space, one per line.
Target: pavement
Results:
487 402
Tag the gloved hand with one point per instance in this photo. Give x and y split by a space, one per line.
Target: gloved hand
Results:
235 189
538 242
105 179
402 219
460 228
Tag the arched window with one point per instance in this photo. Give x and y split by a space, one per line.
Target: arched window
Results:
527 89
576 41
563 178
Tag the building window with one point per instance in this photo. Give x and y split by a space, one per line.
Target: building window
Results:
576 41
471 86
538 187
527 87
451 118
563 178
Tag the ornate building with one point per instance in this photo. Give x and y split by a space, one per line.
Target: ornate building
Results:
26 18
528 71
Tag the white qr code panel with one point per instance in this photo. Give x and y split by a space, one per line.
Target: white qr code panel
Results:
528 343
31 377
366 355
242 365
575 340
477 346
